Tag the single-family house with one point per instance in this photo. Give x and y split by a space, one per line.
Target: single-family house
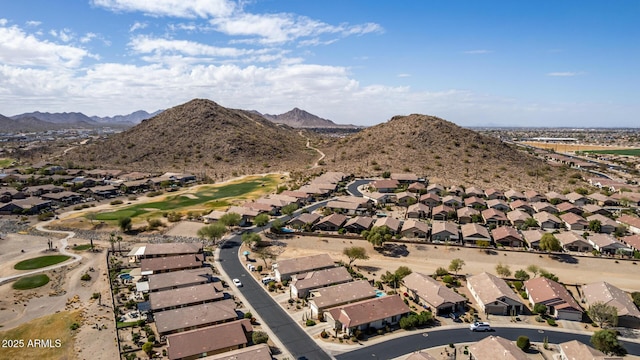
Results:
184 296
493 295
406 198
254 352
498 204
544 207
304 220
577 199
453 201
595 209
345 207
392 223
418 211
331 222
30 205
533 196
607 225
456 190
379 198
148 251
159 265
358 224
496 347
405 178
467 215
442 212
475 202
575 350
518 217
427 291
513 195
603 292
633 241
435 189
417 187
472 233
444 232
430 199
631 222
602 200
493 216
554 197
607 244
571 241
303 198
374 313
474 191
574 222
507 236
346 293
287 268
302 284
532 237
246 215
384 185
210 340
178 279
195 316
521 205
493 194
559 302
567 207
421 355
547 220
63 198
414 229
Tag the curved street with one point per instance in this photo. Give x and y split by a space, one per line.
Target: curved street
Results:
62 250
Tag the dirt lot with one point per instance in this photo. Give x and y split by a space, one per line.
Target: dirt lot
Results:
571 147
427 258
65 292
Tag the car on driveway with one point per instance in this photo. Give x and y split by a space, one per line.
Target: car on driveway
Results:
237 282
480 326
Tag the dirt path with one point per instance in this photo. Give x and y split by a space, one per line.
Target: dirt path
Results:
322 155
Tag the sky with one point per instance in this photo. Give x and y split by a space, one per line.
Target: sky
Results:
476 63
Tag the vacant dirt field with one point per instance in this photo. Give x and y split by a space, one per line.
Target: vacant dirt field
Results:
571 147
427 258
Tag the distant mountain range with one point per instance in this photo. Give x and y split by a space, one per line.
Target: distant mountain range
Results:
298 118
42 121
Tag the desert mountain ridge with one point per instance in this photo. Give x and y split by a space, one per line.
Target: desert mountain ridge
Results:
201 137
298 118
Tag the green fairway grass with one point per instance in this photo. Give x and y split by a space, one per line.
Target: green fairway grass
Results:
40 262
82 247
207 197
31 282
627 152
6 162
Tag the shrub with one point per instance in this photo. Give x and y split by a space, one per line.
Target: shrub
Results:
324 334
539 319
540 309
74 326
95 295
551 322
116 202
448 279
441 271
259 337
523 343
259 268
518 285
85 277
310 322
524 294
248 315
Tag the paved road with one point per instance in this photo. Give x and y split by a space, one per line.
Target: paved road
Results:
408 344
296 341
352 188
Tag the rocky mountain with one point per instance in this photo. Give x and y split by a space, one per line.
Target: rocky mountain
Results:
441 151
131 119
72 118
298 118
26 124
201 137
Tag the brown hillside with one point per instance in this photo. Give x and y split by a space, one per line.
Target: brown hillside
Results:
201 136
441 151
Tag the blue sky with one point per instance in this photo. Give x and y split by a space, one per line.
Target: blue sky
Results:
476 63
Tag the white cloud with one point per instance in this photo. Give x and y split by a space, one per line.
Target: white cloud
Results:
477 52
146 45
174 8
88 37
137 26
33 23
403 75
562 74
3 22
20 49
65 34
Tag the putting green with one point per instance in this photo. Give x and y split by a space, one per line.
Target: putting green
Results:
31 282
40 262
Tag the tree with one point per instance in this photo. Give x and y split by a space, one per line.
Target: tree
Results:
261 220
264 253
355 253
549 243
252 239
395 278
602 314
503 270
276 225
607 342
124 223
636 298
530 223
534 269
540 309
456 265
595 226
231 219
112 240
148 348
521 275
119 240
289 209
523 343
259 337
212 232
548 275
377 235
